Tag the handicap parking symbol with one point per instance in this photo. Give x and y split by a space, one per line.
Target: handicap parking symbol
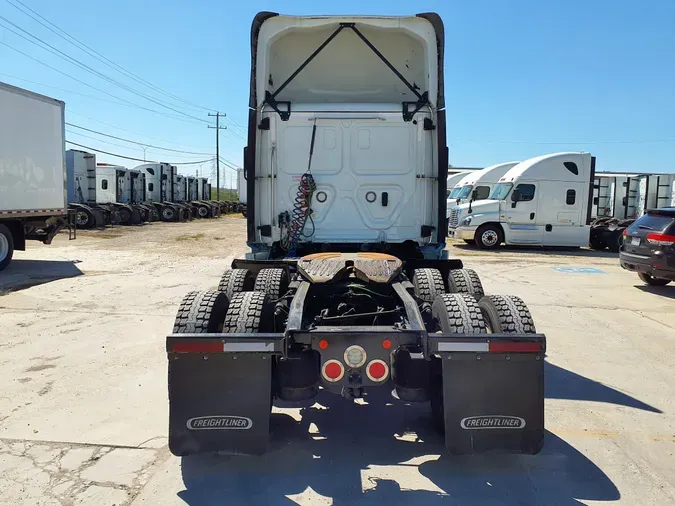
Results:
579 270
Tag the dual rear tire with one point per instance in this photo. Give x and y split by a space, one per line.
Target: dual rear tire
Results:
429 283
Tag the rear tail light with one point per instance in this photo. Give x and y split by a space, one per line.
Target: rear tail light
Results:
625 232
333 370
661 239
377 370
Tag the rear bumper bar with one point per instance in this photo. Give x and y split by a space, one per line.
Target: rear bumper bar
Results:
436 344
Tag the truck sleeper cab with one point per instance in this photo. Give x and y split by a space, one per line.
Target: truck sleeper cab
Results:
159 190
543 201
347 287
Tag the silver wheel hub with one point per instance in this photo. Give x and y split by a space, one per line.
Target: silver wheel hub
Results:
82 218
4 247
489 238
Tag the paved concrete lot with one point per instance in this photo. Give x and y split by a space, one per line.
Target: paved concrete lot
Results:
83 405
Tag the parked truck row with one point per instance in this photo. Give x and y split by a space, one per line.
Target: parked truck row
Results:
102 194
552 200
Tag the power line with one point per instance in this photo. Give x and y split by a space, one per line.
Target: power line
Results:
141 146
70 111
131 158
95 54
51 49
95 88
136 142
640 141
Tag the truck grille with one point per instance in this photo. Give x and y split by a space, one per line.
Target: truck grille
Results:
454 218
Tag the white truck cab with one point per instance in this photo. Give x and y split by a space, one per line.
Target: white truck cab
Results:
452 186
543 201
480 181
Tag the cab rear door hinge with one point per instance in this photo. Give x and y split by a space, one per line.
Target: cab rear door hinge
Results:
264 124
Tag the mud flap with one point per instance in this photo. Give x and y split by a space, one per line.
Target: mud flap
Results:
219 404
493 402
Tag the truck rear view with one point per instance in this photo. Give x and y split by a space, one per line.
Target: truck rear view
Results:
347 287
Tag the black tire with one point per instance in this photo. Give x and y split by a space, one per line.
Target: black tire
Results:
168 213
506 314
154 214
428 284
6 246
236 281
125 216
647 278
452 313
144 213
202 211
465 281
457 313
489 236
615 240
596 241
249 312
273 282
201 313
84 218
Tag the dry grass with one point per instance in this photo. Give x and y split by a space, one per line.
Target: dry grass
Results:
188 237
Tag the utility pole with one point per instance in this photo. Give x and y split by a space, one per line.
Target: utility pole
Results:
218 128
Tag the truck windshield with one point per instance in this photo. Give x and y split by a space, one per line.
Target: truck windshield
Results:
464 192
500 191
455 191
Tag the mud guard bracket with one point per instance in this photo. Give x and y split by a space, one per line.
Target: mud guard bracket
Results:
219 402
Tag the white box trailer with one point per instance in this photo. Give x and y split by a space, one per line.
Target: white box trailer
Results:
33 202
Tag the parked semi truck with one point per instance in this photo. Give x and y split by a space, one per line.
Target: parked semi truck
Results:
159 190
33 203
543 201
477 185
113 188
451 184
347 285
620 199
81 177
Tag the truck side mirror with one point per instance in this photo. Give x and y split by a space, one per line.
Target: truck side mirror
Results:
474 195
515 197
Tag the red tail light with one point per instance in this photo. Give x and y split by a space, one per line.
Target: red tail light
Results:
625 232
377 370
662 239
333 370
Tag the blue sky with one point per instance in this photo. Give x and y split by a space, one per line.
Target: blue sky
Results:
523 78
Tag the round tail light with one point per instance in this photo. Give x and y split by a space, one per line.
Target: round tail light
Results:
377 370
333 370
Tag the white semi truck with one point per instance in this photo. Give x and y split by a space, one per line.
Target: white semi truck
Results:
452 182
543 201
347 287
477 185
123 189
159 190
33 199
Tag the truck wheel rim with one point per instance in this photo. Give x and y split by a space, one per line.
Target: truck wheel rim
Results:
489 237
4 247
82 218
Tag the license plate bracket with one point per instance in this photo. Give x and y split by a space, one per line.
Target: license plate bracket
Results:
635 241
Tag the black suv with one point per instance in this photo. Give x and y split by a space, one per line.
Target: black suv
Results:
649 247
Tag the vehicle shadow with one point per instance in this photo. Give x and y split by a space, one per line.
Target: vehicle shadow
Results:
386 452
664 291
549 251
22 274
564 384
